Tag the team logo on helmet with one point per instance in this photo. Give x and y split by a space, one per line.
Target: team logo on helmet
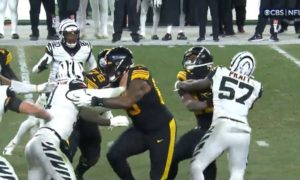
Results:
243 63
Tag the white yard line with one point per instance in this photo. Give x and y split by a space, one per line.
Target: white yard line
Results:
24 69
286 54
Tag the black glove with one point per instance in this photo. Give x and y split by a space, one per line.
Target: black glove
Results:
43 65
96 101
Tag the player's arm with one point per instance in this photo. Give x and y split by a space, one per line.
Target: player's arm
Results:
194 85
15 104
88 114
193 104
136 90
23 88
44 61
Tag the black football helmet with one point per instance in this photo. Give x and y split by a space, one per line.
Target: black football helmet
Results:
197 60
118 60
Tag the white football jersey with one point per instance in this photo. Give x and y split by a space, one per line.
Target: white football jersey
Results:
233 94
3 97
63 112
56 53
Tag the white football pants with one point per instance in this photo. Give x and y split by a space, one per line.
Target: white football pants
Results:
13 7
45 159
6 170
99 15
145 4
225 134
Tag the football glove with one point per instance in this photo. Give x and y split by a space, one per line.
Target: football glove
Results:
119 121
42 64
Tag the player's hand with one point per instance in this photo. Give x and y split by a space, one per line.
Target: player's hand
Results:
119 121
79 97
46 87
157 3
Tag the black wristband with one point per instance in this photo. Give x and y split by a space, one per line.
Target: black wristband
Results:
97 101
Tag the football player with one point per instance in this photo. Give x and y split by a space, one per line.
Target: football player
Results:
234 93
145 4
13 7
45 151
154 127
87 136
69 47
197 63
8 100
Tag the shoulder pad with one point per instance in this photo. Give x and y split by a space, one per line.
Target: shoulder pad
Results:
140 72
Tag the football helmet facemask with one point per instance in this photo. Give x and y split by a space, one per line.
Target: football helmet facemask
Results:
198 60
243 63
69 32
101 63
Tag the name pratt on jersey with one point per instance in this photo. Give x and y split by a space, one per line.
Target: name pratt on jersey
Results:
239 76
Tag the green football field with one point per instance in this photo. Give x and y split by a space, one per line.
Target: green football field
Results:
274 118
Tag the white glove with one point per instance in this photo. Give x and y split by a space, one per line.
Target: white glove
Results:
79 97
42 64
157 3
46 87
119 121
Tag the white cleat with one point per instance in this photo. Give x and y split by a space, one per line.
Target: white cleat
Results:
8 150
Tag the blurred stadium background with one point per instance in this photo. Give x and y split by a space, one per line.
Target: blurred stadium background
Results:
274 119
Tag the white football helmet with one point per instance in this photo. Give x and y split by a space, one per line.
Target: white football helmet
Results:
243 63
69 70
69 32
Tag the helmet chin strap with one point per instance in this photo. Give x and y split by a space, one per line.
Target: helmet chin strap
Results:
191 67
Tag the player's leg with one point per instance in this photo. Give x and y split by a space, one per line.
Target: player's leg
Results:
25 126
90 146
129 143
143 17
184 149
13 6
29 124
161 148
96 16
3 4
44 147
238 153
208 149
6 170
104 17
